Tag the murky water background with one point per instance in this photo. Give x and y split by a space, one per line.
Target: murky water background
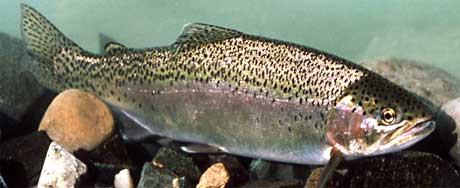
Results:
426 31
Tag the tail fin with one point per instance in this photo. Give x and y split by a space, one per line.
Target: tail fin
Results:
44 42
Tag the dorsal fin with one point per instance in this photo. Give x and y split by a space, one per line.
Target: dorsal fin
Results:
113 48
197 33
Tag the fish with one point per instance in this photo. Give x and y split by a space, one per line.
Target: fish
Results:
238 93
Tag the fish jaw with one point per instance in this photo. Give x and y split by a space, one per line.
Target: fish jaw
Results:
406 136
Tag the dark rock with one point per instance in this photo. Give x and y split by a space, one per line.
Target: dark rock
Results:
177 162
142 151
451 118
274 184
430 82
21 159
61 168
105 161
111 151
261 169
102 174
402 169
22 99
216 176
153 176
18 86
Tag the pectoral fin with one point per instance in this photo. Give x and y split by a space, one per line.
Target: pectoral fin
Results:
201 148
328 170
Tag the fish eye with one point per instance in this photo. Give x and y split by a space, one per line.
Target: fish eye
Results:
388 116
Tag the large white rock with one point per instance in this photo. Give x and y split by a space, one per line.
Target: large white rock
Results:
123 179
60 169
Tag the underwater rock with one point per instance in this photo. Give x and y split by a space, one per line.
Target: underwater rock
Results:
77 120
215 176
452 109
237 171
22 99
153 176
401 169
105 161
19 87
103 174
21 159
261 169
123 179
176 162
274 184
110 151
61 168
430 82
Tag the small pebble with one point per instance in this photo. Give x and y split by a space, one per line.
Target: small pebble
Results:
77 120
123 179
215 176
61 168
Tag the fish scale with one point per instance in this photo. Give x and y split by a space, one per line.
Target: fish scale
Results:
246 95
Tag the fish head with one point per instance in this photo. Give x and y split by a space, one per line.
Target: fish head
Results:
377 117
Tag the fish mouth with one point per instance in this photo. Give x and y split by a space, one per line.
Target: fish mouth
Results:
407 135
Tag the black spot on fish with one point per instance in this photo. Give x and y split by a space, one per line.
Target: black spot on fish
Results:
322 115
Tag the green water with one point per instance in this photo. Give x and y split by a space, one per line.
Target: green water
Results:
427 31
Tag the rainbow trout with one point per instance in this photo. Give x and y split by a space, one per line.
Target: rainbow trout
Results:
243 94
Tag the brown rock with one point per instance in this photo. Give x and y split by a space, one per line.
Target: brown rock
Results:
215 176
77 120
237 171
